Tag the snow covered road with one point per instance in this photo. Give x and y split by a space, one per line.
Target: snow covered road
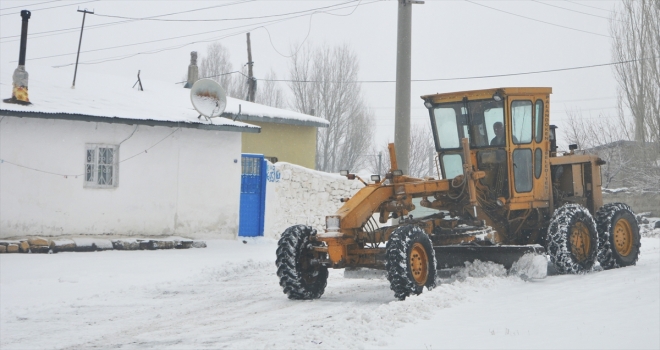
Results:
227 296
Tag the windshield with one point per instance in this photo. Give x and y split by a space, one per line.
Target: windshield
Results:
482 122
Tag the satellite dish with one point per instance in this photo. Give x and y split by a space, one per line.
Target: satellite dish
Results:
208 98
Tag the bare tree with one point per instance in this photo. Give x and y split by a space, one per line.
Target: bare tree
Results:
216 65
607 137
269 92
635 29
421 157
324 85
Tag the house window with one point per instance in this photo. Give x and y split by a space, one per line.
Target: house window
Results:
101 165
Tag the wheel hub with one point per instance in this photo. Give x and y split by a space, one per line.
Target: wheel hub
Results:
419 264
580 241
623 237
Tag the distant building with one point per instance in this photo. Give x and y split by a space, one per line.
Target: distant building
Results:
285 136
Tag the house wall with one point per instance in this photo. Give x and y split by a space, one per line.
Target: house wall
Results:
185 184
289 143
297 195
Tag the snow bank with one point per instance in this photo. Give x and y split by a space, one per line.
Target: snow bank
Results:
297 195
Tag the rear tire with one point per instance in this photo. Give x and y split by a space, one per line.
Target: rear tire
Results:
300 279
572 239
410 261
619 240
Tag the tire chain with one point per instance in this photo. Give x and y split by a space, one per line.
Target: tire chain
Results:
557 238
396 263
293 241
604 226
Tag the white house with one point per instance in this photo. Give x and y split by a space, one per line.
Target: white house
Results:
105 158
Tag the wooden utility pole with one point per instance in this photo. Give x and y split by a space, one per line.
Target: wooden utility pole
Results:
252 84
85 12
402 99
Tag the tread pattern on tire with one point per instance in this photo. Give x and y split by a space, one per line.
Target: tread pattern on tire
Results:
557 239
295 242
604 219
397 265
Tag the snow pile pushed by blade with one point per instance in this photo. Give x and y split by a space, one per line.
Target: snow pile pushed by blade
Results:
481 269
530 266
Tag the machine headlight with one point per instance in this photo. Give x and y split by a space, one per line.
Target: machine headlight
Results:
332 223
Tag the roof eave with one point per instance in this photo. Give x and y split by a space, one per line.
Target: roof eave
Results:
275 120
128 121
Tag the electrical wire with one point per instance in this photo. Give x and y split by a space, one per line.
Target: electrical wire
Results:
173 38
464 78
584 13
593 7
154 51
95 26
48 8
536 20
39 3
309 30
220 19
76 175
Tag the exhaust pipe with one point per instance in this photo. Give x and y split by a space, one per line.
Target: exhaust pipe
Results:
19 94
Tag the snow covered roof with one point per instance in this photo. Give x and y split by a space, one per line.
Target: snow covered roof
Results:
108 98
253 112
112 99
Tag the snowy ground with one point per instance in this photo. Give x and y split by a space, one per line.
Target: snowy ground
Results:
227 296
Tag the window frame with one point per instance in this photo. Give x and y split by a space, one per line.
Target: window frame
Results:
517 181
538 121
95 164
531 121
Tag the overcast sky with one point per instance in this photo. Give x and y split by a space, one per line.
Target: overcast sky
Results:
451 39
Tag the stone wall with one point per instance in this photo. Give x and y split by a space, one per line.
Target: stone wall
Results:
640 202
297 195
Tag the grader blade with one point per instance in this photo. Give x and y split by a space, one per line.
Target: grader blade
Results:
457 255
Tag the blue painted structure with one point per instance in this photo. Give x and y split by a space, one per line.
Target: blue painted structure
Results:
253 195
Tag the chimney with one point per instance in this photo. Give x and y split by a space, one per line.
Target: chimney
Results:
19 92
193 73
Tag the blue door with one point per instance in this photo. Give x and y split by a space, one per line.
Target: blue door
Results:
253 195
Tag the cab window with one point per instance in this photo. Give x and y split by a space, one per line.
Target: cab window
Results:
539 121
521 122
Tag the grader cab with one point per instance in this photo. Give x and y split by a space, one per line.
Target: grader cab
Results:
503 190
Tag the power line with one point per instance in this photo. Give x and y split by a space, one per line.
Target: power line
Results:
463 78
252 28
563 8
23 6
593 7
72 29
222 19
309 30
47 8
537 20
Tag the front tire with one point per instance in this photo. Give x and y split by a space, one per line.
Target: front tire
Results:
410 261
618 235
572 239
300 278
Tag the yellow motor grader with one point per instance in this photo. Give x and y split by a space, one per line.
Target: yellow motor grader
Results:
503 191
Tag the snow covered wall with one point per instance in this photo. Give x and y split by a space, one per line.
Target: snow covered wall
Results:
297 195
640 202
